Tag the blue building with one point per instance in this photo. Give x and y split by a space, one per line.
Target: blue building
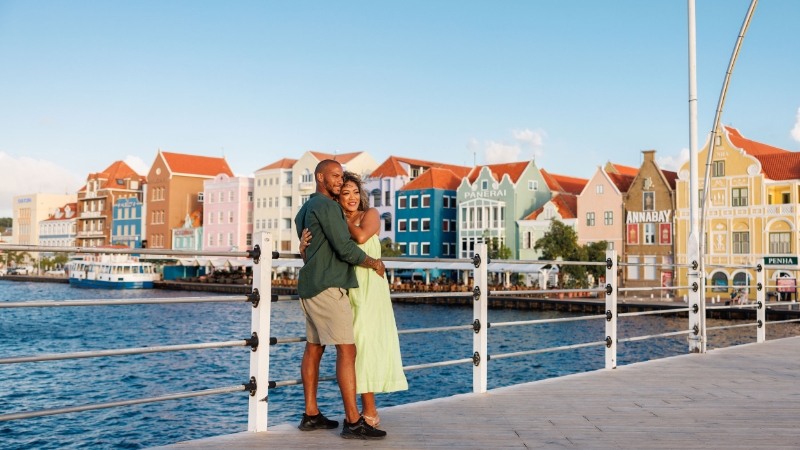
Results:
426 214
126 224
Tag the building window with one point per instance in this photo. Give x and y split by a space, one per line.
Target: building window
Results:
230 238
287 201
446 249
413 249
249 216
426 201
248 239
445 202
633 271
741 242
610 245
250 197
200 196
387 198
210 240
286 246
648 201
527 239
453 226
719 169
221 218
533 185
401 202
589 219
453 202
445 225
484 185
258 204
739 197
387 223
414 199
270 202
230 216
649 233
413 225
306 177
426 224
598 189
270 181
259 182
426 248
608 218
287 224
780 243
403 248
785 198
650 268
401 225
304 199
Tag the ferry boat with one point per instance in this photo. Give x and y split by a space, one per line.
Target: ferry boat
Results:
111 272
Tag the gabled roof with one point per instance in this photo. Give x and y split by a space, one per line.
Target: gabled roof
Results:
780 166
116 171
197 218
392 167
622 182
566 205
625 170
63 213
434 178
671 177
343 158
752 148
513 170
563 183
196 165
285 163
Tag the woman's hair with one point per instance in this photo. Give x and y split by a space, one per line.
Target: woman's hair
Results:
350 177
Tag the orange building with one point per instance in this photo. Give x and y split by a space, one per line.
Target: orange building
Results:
175 190
96 202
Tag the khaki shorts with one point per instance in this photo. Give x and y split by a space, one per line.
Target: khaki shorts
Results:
329 317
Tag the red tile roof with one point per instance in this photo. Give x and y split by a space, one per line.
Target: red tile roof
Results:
73 208
197 165
752 148
434 178
285 163
392 167
566 205
513 170
116 171
563 183
343 158
625 170
780 166
671 177
622 182
197 218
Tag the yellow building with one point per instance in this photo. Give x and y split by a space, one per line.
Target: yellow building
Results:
752 210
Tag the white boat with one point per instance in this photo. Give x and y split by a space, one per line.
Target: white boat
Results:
111 272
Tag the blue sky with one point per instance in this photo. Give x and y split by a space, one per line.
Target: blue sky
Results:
576 83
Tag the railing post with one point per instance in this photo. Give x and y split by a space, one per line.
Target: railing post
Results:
611 309
761 301
697 300
259 359
480 345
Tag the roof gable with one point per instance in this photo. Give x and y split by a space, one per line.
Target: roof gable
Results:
566 205
563 183
750 147
513 170
207 166
285 163
434 178
392 167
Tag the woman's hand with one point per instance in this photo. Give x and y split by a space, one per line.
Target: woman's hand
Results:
305 241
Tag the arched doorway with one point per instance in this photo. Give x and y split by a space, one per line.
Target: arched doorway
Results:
719 281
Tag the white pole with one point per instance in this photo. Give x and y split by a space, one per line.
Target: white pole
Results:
481 316
259 360
693 245
761 301
611 307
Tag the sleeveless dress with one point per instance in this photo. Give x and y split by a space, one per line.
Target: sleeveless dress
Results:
379 367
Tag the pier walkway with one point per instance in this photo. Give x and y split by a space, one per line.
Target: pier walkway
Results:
743 397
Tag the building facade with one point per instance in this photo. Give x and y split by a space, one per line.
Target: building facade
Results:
490 201
189 236
427 210
175 190
649 207
600 206
273 202
752 210
228 210
30 210
126 227
97 198
61 228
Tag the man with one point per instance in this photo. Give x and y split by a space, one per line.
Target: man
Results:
323 284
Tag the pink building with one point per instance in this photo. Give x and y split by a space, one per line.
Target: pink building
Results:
228 211
600 206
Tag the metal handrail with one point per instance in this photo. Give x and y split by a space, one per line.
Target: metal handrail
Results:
543 321
783 321
436 329
546 350
547 291
655 288
651 336
124 251
132 301
750 305
431 294
724 327
660 311
122 352
653 265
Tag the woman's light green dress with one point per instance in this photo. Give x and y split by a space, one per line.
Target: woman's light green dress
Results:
379 367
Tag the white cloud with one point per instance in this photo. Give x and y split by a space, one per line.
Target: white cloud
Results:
28 176
137 164
534 138
672 163
497 152
796 129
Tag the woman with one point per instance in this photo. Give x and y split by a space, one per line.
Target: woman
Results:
379 367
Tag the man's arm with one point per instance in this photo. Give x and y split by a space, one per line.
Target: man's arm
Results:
334 226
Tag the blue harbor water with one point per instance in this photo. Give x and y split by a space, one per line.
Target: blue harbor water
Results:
32 386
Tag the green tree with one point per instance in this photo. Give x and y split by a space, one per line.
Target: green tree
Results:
6 222
596 252
389 249
496 249
561 241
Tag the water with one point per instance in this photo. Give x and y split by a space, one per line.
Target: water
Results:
26 387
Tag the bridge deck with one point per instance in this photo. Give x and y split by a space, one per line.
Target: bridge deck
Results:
741 397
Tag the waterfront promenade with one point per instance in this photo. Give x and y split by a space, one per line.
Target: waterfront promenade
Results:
734 398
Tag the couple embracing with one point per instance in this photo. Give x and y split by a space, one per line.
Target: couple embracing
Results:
345 299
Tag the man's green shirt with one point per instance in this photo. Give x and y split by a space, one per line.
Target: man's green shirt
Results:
332 254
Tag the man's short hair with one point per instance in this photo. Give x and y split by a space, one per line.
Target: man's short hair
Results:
323 165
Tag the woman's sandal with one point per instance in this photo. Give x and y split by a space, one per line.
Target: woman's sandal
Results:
374 422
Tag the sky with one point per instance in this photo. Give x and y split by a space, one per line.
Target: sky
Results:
573 84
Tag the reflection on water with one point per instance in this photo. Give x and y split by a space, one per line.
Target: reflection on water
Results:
33 386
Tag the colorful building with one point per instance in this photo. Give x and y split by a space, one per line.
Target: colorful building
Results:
61 228
426 216
391 176
97 198
492 198
189 236
175 190
228 210
649 207
127 225
752 211
600 206
30 210
273 202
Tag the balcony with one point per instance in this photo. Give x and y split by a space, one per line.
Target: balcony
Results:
91 214
90 233
306 185
780 209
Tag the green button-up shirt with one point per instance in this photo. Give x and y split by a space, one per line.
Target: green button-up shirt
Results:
332 254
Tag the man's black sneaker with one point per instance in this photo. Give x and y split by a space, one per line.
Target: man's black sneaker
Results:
318 422
361 430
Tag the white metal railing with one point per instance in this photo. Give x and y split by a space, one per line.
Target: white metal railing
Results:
260 338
